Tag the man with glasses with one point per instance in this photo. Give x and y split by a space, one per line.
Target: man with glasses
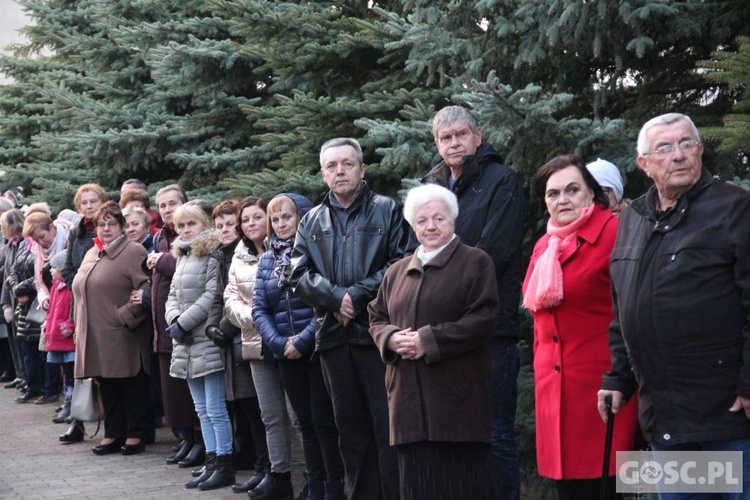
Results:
342 249
680 273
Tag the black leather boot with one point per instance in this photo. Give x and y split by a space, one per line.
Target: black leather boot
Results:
223 473
279 488
181 452
208 471
250 484
196 454
74 434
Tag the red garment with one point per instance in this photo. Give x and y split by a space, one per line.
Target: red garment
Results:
571 353
156 222
59 313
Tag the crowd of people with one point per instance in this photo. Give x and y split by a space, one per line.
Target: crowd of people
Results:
385 338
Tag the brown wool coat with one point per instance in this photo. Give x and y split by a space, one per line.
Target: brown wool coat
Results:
112 338
452 302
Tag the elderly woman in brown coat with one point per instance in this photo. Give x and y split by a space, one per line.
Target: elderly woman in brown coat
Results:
112 338
432 321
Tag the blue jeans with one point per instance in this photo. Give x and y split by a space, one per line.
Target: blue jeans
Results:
742 445
505 468
210 401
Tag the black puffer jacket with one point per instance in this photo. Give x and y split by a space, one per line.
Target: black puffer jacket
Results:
79 242
491 214
329 262
21 283
681 291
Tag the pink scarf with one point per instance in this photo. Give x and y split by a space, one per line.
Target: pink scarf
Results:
545 286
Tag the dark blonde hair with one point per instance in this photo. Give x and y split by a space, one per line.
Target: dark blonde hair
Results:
37 220
277 204
145 217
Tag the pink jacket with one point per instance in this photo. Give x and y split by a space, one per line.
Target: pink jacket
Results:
58 319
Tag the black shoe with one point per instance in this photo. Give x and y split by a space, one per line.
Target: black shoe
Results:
52 398
133 449
74 434
222 476
279 487
250 484
23 386
27 397
198 472
180 453
6 376
208 471
108 449
194 457
15 383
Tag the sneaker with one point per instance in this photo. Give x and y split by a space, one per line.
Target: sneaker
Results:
52 398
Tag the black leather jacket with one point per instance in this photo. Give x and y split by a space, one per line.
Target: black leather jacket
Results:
329 262
681 291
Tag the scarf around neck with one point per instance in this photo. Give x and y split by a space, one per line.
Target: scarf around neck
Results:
545 286
282 259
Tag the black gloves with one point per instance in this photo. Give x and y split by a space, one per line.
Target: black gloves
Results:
217 335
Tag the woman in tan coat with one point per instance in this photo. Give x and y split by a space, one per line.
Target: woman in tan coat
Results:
112 339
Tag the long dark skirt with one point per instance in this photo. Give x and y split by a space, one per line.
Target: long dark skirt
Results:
179 410
445 471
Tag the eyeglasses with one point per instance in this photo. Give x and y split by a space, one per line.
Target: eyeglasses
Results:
668 149
110 224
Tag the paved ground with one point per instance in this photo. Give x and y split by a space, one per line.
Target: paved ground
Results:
34 464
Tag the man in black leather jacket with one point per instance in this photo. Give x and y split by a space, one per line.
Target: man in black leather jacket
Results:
342 250
681 289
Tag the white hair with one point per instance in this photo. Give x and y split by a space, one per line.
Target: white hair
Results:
644 145
422 195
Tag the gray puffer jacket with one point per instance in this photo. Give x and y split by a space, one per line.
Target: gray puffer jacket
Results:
190 296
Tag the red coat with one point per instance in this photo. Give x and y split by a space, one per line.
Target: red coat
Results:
570 355
59 312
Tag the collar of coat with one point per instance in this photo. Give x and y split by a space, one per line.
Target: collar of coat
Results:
472 167
203 244
363 192
440 260
646 205
113 250
243 254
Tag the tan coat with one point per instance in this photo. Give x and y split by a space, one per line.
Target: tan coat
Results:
112 338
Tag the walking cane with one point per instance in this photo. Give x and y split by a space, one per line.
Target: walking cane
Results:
607 448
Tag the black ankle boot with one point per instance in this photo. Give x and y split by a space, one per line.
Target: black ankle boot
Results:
223 474
196 454
250 484
208 471
74 434
279 488
181 452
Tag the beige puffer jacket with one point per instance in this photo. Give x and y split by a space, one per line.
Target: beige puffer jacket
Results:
238 300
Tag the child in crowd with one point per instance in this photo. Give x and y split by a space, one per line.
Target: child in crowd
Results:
59 331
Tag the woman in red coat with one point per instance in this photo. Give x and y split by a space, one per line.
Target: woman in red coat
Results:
567 290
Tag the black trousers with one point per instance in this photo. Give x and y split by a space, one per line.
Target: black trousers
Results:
304 386
126 402
445 471
355 380
247 414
